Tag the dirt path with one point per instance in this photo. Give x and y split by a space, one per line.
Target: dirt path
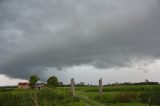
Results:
90 102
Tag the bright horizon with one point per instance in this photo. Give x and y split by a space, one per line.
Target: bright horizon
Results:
135 74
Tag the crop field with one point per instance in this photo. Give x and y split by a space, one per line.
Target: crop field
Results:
134 95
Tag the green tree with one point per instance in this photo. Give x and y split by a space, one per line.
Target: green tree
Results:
52 81
33 79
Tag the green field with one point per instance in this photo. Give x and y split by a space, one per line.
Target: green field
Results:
86 96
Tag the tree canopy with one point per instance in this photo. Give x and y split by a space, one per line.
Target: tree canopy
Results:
33 79
52 81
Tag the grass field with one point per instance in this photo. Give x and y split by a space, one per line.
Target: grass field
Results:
138 95
86 96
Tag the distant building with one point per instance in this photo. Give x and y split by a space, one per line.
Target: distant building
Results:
23 85
26 85
39 85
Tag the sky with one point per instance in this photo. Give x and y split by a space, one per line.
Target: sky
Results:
116 40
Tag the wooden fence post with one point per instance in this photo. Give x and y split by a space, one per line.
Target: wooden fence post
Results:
72 87
100 87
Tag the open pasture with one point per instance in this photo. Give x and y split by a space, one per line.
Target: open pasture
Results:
135 95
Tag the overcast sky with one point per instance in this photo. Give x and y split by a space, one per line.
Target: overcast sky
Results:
118 40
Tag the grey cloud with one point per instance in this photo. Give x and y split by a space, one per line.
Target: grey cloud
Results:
35 35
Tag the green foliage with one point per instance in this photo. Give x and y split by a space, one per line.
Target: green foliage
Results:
77 104
128 104
150 96
123 94
33 79
44 97
16 99
52 81
137 88
125 97
112 96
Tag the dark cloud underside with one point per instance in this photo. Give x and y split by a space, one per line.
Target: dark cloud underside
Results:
38 34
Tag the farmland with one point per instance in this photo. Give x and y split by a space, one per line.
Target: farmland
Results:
133 95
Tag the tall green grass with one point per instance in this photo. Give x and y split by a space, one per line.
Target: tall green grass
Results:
44 97
132 88
124 94
137 95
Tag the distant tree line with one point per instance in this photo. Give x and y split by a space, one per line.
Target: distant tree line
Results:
53 82
82 84
137 83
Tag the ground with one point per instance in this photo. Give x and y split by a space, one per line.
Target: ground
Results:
86 96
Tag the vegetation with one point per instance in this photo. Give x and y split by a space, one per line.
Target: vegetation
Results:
30 97
135 95
141 95
124 94
52 81
33 79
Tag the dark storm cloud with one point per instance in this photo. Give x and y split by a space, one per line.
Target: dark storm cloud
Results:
35 35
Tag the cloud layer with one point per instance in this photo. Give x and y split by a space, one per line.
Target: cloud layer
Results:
35 35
